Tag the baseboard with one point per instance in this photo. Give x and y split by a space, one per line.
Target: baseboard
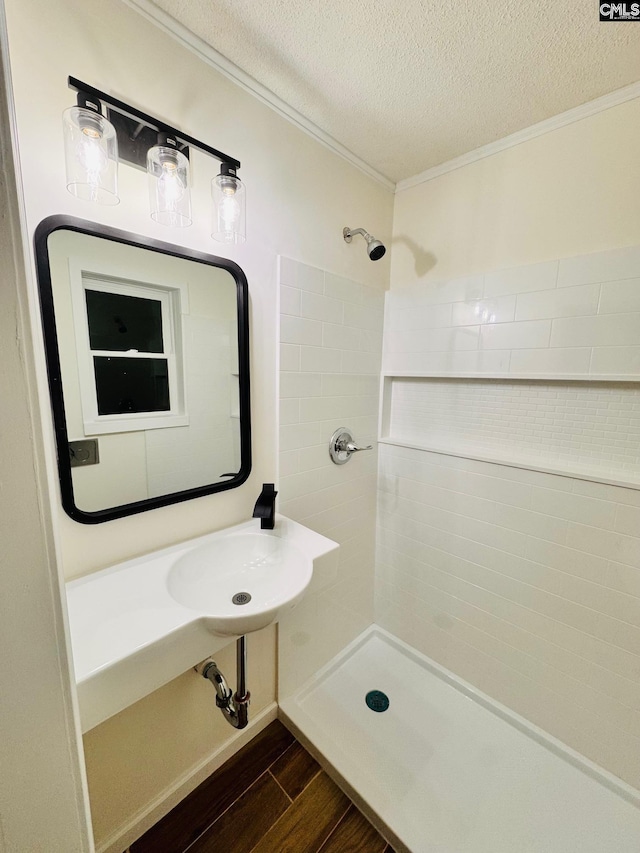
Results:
119 841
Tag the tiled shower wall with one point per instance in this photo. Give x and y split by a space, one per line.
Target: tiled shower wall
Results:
578 316
524 583
575 426
331 345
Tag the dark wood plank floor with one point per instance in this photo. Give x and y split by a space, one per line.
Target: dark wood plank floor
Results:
271 797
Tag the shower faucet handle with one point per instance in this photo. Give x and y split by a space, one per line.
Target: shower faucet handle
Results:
350 447
342 446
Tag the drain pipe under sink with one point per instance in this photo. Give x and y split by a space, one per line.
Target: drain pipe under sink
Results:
235 707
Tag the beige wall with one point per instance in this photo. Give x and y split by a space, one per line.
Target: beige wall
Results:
300 196
569 192
42 801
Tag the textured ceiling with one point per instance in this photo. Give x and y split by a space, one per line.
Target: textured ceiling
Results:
409 84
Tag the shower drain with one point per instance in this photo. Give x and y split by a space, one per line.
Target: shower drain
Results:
241 598
377 701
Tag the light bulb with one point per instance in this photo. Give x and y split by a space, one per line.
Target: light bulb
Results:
169 196
229 212
91 154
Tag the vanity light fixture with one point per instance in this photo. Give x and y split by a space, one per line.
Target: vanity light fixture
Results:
94 141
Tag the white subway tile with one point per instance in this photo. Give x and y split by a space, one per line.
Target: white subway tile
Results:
310 278
439 292
325 408
368 386
317 307
584 510
289 357
521 279
295 436
480 361
341 337
536 524
624 578
604 492
601 331
288 271
616 360
373 297
550 361
289 410
297 330
600 266
371 341
345 384
361 362
559 302
604 543
300 385
418 317
296 274
338 287
628 520
483 311
313 457
569 560
526 335
619 297
450 340
434 340
362 317
290 300
416 362
289 462
320 360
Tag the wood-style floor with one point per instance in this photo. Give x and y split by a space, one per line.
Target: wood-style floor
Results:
271 797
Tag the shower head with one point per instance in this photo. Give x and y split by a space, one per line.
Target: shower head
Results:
375 248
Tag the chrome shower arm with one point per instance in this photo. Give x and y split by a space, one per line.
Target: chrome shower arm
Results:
348 233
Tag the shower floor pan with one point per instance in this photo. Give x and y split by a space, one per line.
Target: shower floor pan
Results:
446 770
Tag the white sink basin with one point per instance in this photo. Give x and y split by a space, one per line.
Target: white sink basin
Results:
241 582
137 625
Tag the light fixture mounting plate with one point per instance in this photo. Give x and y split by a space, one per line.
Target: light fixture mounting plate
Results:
135 138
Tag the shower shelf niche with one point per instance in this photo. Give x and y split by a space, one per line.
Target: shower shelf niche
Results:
585 428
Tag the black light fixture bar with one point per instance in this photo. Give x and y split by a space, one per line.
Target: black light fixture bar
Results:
151 122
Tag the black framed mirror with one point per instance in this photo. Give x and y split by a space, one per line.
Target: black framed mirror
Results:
147 348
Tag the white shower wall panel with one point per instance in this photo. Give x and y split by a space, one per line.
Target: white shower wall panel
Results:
331 346
525 583
568 317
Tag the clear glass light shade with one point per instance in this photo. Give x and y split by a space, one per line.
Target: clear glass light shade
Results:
229 209
168 178
91 155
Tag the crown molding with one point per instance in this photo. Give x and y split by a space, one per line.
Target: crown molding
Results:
224 66
591 108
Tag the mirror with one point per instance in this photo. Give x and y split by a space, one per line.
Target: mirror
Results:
147 349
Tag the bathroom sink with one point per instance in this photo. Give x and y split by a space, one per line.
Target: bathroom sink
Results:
137 625
241 582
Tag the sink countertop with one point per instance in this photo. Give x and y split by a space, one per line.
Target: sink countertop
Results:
129 636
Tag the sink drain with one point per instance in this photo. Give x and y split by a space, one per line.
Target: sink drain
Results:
241 598
377 701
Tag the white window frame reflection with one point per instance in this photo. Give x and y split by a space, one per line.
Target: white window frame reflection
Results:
173 299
